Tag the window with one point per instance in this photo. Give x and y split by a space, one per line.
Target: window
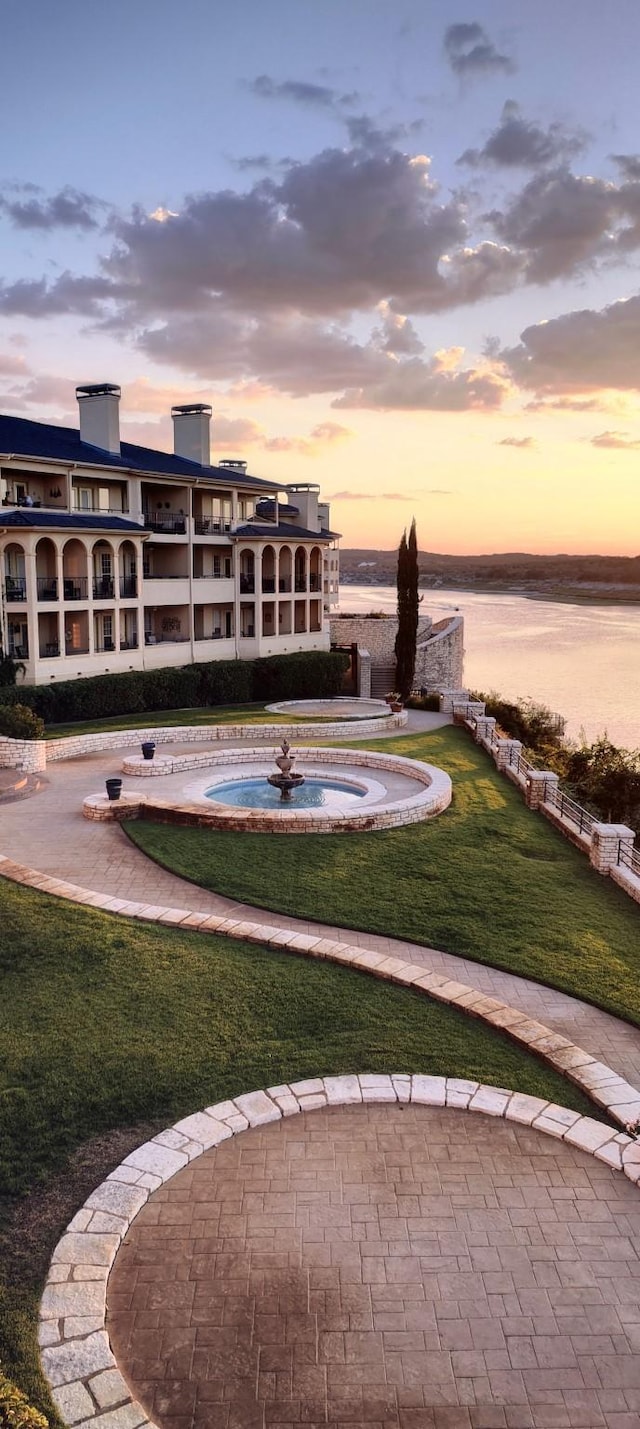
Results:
84 498
105 563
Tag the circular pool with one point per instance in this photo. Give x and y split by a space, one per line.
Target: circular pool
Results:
346 707
314 793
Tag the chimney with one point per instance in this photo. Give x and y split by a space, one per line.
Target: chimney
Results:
99 416
191 432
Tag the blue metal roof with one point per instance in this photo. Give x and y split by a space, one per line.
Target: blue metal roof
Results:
282 532
28 519
22 437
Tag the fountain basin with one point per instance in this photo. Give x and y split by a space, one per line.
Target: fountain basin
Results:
396 791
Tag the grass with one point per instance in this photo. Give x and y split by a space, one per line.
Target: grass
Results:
108 1024
207 714
487 879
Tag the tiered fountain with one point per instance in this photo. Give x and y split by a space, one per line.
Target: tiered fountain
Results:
287 779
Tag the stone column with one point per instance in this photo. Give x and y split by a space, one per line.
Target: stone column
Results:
538 781
606 840
505 752
449 698
485 726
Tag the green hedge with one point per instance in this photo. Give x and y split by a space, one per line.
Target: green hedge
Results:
306 675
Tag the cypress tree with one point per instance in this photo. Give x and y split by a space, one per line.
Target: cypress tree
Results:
408 603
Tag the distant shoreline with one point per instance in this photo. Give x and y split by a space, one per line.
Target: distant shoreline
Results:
593 596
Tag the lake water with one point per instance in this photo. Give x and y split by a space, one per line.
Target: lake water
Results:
583 661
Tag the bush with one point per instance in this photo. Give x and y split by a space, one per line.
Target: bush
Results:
305 675
424 702
15 1410
19 722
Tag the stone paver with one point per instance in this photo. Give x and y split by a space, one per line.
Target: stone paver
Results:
393 1266
49 833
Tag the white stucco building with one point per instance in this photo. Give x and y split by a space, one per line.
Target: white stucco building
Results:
116 557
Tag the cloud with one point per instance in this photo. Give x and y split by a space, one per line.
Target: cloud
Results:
389 495
435 385
617 441
576 404
524 443
470 52
561 222
311 96
249 162
580 352
520 143
36 298
629 165
69 208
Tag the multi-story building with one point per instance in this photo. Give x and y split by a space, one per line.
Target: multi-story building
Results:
118 557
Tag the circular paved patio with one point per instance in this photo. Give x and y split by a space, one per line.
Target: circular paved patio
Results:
391 1266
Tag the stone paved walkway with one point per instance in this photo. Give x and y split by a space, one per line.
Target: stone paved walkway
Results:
49 833
394 1267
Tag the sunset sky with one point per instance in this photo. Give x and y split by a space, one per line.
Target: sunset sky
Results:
394 243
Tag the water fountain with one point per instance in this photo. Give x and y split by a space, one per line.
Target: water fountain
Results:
287 779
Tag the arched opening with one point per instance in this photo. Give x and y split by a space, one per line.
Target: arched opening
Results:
247 572
268 570
128 569
103 569
74 570
15 580
284 570
301 568
46 570
315 569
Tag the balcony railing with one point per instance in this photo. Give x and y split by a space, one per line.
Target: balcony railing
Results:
47 587
150 575
49 650
211 525
103 587
314 582
268 585
71 649
213 575
128 585
301 584
15 589
75 587
284 584
105 644
130 644
168 523
247 585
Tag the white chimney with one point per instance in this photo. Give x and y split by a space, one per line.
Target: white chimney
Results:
191 432
99 416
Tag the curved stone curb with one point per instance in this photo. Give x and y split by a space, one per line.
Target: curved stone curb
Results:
433 796
598 1081
71 746
86 1384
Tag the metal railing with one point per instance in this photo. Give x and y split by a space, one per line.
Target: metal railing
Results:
103 587
568 809
47 587
210 525
15 589
128 585
167 523
518 762
629 858
247 585
268 585
49 650
75 587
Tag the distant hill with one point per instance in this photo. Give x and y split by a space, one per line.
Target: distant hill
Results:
606 576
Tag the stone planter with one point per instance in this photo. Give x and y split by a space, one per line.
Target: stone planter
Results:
148 749
396 706
114 788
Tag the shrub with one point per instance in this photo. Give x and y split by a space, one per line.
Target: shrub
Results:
15 1410
424 702
304 675
19 722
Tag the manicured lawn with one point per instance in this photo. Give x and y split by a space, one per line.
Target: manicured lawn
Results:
105 1023
218 714
487 879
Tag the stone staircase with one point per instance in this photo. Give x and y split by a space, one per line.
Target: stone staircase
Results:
382 680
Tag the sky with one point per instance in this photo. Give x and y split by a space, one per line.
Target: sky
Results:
394 243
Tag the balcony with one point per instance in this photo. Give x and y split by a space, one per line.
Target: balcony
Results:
49 650
47 587
106 644
71 649
301 585
247 585
128 586
103 587
314 582
75 588
131 644
166 523
268 585
15 589
211 526
284 585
